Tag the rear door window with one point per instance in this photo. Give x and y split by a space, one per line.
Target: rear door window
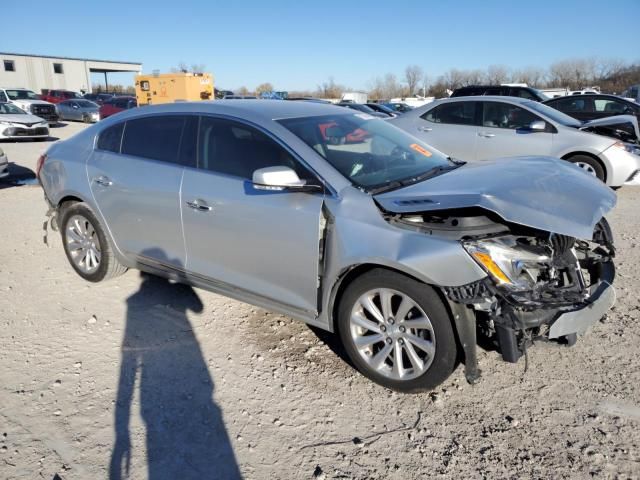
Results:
458 113
155 138
111 138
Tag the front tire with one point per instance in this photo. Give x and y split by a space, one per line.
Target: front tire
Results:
397 331
86 245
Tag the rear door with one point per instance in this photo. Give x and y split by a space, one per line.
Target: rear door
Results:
260 242
450 127
135 174
505 132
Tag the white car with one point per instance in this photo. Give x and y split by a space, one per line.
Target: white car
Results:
16 123
489 127
29 101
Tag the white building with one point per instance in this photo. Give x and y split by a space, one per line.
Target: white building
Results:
37 72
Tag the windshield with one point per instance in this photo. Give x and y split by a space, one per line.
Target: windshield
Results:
11 109
22 95
555 115
369 152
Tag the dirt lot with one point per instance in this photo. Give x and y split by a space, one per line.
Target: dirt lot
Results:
176 383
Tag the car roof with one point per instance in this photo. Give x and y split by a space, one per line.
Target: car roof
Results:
267 109
590 95
485 98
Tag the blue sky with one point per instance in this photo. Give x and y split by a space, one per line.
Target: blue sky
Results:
298 45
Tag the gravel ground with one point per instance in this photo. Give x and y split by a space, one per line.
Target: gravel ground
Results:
141 378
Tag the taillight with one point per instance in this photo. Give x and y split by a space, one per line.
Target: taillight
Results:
40 163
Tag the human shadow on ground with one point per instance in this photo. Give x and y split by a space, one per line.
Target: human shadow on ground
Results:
185 433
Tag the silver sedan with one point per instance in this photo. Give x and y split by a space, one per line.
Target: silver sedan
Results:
343 221
80 110
488 127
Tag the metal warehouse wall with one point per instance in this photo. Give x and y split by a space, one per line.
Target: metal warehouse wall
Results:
36 73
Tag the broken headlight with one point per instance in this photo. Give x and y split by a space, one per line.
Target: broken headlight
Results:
509 261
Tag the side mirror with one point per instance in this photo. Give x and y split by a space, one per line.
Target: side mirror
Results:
538 126
280 179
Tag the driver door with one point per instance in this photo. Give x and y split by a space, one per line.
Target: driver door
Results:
505 132
265 243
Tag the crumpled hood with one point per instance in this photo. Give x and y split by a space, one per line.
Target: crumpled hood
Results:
20 118
615 120
539 192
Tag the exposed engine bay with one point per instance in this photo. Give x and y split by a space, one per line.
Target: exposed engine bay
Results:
533 276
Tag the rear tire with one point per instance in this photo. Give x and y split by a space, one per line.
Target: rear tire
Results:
418 330
590 165
86 245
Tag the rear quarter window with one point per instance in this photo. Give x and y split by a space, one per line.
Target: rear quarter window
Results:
111 138
457 113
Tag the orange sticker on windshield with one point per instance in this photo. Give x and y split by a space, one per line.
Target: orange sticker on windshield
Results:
420 149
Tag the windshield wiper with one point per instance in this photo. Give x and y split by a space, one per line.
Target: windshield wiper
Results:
385 187
432 172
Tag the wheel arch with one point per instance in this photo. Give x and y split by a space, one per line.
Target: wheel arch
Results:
353 272
568 156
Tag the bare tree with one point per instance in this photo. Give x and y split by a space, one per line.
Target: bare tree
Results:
330 89
242 91
497 74
264 87
532 76
413 76
198 67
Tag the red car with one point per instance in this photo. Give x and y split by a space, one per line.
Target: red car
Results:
117 104
57 96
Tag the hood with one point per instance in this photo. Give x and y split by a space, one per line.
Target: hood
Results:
27 101
539 192
615 120
19 118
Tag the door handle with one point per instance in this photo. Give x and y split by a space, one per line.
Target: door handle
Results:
425 129
103 181
486 135
197 205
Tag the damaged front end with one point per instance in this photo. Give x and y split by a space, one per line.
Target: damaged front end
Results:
540 285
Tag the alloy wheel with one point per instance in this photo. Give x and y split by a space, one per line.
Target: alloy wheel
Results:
392 334
83 244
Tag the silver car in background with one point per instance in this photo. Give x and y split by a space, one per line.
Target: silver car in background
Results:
343 221
79 109
488 127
